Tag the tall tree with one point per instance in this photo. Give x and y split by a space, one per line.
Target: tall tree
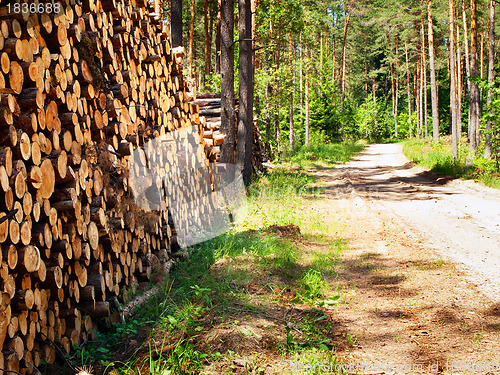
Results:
228 148
218 26
491 77
394 100
306 99
474 89
342 74
301 88
268 93
208 55
176 22
246 64
292 85
467 57
459 89
432 71
408 90
191 41
424 78
453 97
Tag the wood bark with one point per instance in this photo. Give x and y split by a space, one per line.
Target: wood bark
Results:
176 22
408 91
291 94
424 79
342 74
227 82
306 99
246 87
491 78
72 237
453 98
432 72
208 55
467 58
191 41
474 89
218 44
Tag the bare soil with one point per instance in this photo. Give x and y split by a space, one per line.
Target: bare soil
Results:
408 304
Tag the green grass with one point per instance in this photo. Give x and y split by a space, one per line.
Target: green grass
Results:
329 153
200 292
438 158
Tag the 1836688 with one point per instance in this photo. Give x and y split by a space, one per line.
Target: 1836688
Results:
34 7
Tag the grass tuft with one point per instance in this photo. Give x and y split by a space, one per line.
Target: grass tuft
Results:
279 255
438 158
329 153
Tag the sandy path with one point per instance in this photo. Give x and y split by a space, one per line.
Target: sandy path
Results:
460 220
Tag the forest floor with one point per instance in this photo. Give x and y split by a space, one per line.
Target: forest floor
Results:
375 272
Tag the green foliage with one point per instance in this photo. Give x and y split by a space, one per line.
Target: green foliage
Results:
492 114
328 153
213 83
206 289
439 159
373 121
312 286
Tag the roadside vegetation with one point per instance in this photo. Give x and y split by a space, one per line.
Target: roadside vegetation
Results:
253 297
438 157
325 153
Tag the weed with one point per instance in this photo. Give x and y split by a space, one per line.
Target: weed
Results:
437 263
234 269
351 339
312 284
329 154
439 159
477 339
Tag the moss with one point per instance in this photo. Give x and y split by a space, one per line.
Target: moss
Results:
87 51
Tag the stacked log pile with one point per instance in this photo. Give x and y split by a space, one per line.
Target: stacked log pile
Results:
81 88
210 116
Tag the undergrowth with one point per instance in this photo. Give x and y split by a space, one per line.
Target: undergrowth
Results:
215 286
438 158
326 153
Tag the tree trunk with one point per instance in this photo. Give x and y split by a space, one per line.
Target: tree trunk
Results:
453 98
491 77
467 58
459 91
268 119
432 71
228 148
218 38
307 98
176 22
333 54
206 71
424 78
393 89
375 120
481 59
301 84
292 85
474 90
245 117
408 90
276 96
191 41
397 80
418 94
342 75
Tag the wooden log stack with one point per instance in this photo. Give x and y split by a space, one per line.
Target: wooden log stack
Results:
209 105
82 85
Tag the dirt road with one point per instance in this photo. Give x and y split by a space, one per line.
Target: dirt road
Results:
422 271
460 220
